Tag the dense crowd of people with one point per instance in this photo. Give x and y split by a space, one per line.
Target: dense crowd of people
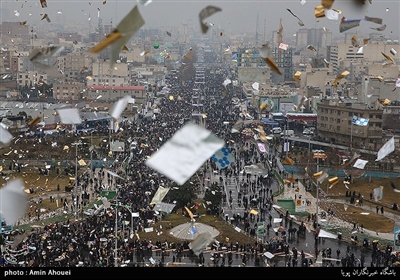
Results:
91 242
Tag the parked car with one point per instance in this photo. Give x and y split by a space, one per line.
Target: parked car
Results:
288 132
308 131
277 130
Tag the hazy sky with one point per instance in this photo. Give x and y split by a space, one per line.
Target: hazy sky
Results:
238 15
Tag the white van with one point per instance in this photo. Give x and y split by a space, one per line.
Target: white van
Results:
288 132
276 130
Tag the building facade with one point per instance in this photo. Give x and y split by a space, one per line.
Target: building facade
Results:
334 124
114 93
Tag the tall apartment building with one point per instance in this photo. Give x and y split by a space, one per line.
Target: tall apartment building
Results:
30 78
334 124
74 66
14 30
284 61
114 93
343 54
317 37
249 57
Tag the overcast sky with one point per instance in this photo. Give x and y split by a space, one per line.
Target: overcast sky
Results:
238 15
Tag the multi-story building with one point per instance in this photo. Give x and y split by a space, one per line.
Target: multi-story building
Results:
30 78
104 75
114 93
75 66
283 60
317 37
341 55
334 123
68 91
15 30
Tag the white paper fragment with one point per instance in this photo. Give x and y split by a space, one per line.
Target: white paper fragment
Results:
13 201
182 155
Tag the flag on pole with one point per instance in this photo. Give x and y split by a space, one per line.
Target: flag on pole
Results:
223 158
359 121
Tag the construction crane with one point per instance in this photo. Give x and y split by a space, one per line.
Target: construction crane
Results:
280 40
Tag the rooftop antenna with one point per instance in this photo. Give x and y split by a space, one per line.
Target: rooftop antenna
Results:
257 31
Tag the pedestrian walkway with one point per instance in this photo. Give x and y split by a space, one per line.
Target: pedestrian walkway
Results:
331 221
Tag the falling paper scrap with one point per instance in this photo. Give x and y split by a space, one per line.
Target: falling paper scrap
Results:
144 2
378 193
297 76
69 116
346 24
41 54
319 11
264 51
374 19
312 48
332 14
201 242
270 62
119 107
300 22
300 106
205 13
129 25
341 76
5 136
354 41
45 16
386 149
360 163
283 46
381 28
388 57
395 189
144 52
13 201
181 156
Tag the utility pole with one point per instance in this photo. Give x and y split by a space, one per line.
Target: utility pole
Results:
116 232
76 178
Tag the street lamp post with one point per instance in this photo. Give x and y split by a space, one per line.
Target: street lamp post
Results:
116 233
76 176
351 135
316 218
127 208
